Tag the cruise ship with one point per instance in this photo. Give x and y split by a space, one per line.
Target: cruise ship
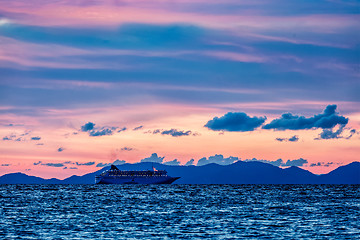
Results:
117 176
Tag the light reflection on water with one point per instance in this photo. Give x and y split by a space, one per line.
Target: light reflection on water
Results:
179 211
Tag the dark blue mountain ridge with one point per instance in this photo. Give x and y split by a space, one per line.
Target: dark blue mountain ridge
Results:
21 178
236 173
343 175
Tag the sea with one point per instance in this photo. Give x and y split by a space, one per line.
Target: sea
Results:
179 211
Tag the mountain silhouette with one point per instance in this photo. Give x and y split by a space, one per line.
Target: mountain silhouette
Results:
348 174
236 173
21 178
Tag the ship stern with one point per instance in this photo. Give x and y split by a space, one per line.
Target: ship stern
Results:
98 179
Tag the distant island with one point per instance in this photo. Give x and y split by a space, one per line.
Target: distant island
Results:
236 173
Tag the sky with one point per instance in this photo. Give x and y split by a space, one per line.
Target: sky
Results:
86 83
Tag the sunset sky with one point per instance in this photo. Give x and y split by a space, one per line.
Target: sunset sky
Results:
85 83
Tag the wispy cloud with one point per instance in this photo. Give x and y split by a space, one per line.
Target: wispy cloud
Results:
127 149
294 138
174 132
85 164
137 128
49 164
20 137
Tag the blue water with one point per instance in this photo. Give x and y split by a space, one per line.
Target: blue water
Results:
179 211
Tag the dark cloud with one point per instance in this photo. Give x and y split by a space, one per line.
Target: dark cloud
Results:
296 162
126 149
332 134
138 128
60 149
99 131
14 137
13 125
119 162
328 119
73 168
52 164
116 162
40 144
122 129
174 162
102 164
323 164
292 139
176 133
235 122
63 164
20 137
87 127
328 164
218 159
190 162
352 132
102 132
5 165
153 158
276 163
280 163
85 164
173 132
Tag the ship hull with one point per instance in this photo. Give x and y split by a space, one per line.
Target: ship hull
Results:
134 180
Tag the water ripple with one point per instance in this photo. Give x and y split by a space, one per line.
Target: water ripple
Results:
179 211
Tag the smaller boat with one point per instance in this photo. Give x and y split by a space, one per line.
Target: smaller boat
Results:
116 176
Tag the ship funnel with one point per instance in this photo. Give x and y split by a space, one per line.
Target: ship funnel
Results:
113 167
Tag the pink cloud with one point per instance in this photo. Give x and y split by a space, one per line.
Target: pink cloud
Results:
256 36
238 57
110 14
48 55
